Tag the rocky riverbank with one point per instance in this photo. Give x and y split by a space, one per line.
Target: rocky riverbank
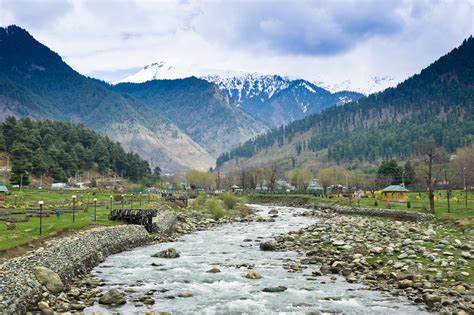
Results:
21 284
426 262
56 278
308 202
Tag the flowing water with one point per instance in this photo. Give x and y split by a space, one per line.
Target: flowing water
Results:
228 247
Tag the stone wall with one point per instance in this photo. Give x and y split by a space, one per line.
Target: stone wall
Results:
69 257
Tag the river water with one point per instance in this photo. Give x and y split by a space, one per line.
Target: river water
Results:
229 248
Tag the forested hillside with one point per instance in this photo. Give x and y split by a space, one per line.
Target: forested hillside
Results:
35 82
436 104
60 149
200 109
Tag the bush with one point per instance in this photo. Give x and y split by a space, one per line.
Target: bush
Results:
216 208
376 203
408 204
230 200
200 201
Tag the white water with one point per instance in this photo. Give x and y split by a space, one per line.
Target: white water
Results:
229 292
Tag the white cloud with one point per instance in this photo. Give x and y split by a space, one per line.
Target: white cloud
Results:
318 40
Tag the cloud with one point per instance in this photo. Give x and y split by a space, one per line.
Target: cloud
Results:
35 13
298 27
332 41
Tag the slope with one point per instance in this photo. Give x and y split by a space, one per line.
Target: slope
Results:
200 109
435 104
35 82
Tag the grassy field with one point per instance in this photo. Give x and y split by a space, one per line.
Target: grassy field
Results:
58 221
418 202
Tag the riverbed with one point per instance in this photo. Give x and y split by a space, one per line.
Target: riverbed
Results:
234 249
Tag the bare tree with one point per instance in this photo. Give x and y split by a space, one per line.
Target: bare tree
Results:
463 166
273 177
431 154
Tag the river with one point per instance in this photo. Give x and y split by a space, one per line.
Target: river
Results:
233 247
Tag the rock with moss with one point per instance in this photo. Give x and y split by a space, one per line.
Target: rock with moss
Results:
49 279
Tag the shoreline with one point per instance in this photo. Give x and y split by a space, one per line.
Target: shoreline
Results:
73 257
419 260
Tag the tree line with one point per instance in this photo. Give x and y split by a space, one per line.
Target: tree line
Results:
60 150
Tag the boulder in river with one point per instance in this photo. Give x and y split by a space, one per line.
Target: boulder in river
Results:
112 297
253 274
49 279
268 245
167 253
185 294
279 288
214 270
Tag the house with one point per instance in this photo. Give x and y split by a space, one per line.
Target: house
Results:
262 187
396 193
58 185
315 187
236 189
3 192
283 185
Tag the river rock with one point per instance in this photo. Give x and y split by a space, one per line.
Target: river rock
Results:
403 284
279 288
268 245
185 294
253 274
214 270
49 279
112 297
167 253
430 299
45 309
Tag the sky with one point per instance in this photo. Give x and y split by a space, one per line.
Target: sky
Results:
336 42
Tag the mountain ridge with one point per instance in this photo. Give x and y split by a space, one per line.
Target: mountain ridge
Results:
35 82
257 94
436 103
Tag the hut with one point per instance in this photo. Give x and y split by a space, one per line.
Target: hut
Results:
3 192
396 193
236 190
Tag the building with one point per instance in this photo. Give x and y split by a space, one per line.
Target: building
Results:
315 188
236 190
3 192
58 185
283 185
396 193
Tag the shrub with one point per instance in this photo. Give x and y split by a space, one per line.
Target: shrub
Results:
230 200
408 204
215 207
200 201
376 203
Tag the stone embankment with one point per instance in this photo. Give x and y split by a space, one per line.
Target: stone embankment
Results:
307 202
428 263
67 257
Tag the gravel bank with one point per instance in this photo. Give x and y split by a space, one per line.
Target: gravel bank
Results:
428 263
68 257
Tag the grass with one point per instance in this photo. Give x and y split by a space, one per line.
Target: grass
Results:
26 232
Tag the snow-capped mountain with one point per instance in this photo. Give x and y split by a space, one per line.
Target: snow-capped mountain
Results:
273 99
372 85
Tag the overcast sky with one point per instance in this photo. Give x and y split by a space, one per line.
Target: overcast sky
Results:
331 41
